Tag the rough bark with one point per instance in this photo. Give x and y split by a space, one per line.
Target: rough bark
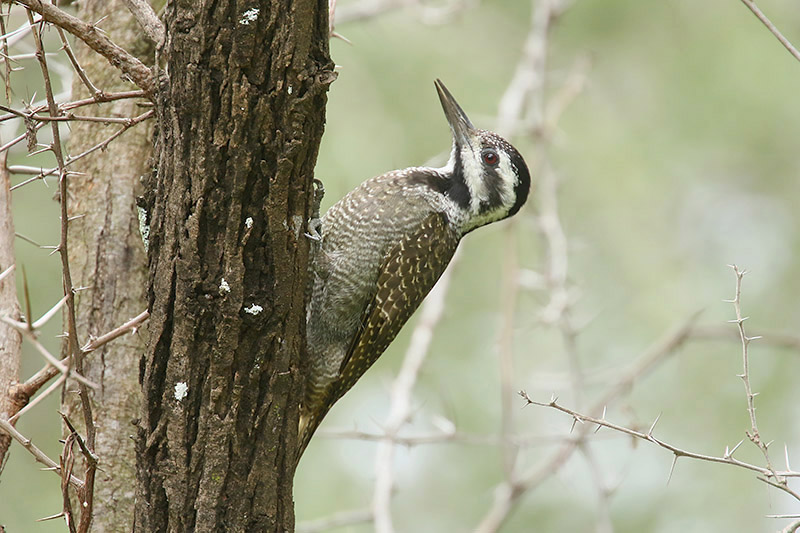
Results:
11 400
108 258
239 127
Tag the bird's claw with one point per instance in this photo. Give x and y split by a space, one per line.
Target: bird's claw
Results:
315 230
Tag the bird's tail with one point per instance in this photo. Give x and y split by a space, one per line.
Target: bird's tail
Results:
304 433
312 411
307 426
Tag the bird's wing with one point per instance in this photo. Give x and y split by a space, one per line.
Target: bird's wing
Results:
410 270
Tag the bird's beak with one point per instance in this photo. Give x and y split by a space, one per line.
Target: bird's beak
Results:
460 125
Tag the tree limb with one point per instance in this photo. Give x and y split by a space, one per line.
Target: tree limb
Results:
89 34
143 12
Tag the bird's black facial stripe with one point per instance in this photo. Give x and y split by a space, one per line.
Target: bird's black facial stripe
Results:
454 187
523 185
457 189
492 180
429 178
494 190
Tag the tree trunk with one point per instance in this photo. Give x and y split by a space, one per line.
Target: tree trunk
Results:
11 401
107 256
240 121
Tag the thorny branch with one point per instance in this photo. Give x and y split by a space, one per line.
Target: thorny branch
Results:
72 346
97 41
35 116
127 124
508 494
43 376
38 454
769 475
69 291
753 434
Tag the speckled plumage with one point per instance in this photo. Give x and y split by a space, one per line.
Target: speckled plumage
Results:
386 243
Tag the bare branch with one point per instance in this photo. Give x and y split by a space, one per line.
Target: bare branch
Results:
143 12
508 493
45 318
67 464
40 379
53 387
99 146
86 493
771 476
753 434
97 99
342 519
129 326
777 339
74 60
751 5
38 454
60 365
791 528
97 41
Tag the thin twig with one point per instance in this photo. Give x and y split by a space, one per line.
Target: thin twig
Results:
7 272
791 528
43 376
67 464
451 436
57 365
346 518
130 326
778 339
97 41
99 146
53 387
751 5
45 318
769 474
97 99
508 493
20 138
38 454
753 434
75 65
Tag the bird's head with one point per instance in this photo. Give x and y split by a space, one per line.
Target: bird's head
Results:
490 180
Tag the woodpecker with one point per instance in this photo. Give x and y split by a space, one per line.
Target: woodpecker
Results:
386 243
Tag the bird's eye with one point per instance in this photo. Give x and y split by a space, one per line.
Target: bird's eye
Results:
490 157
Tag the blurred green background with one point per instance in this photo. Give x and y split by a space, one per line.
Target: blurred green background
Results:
679 157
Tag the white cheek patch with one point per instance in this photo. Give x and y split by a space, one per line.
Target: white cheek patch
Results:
508 179
473 177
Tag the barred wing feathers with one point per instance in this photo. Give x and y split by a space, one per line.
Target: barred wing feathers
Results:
411 269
